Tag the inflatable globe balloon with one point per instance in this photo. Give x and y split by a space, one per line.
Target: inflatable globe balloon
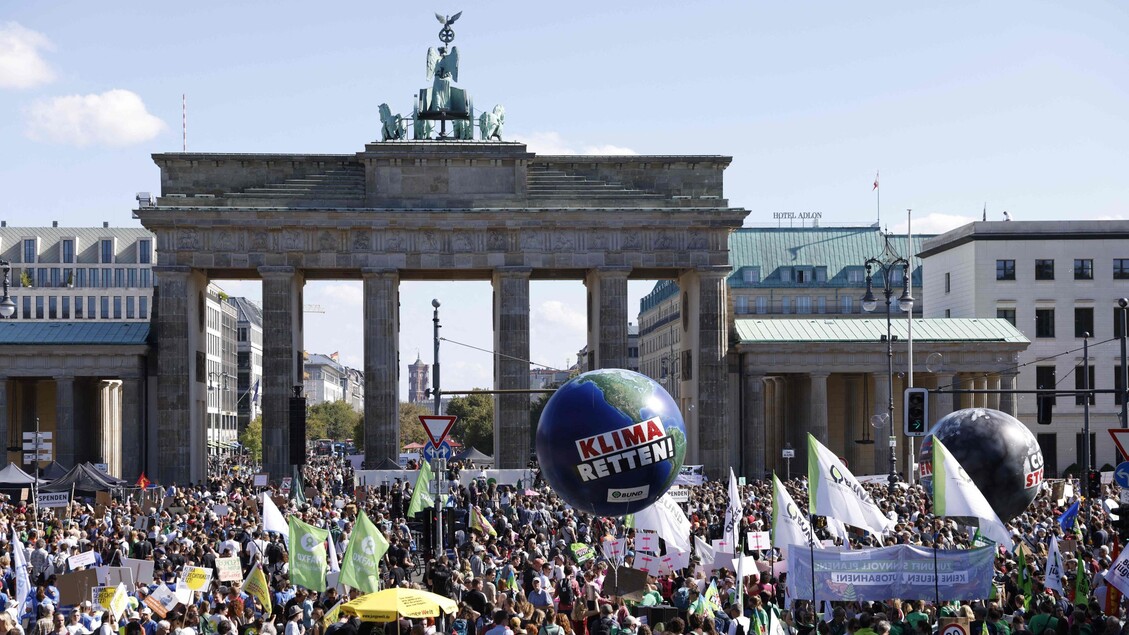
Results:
997 451
611 442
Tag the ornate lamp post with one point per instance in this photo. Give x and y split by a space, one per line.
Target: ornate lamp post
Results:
7 306
886 267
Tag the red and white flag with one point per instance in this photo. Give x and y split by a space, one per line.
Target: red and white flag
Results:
875 181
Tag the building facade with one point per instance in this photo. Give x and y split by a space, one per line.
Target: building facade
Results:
323 379
418 381
80 273
222 427
249 351
1055 281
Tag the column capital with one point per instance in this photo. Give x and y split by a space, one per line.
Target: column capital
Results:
821 374
714 272
379 272
276 272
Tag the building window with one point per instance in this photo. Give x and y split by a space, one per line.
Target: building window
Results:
93 278
803 304
105 302
129 307
855 276
27 307
107 251
948 313
117 307
1044 322
1083 269
846 305
56 277
42 274
1005 270
762 305
145 251
821 274
1045 380
80 278
107 278
741 302
1121 268
1083 322
119 277
66 307
1080 384
751 275
78 307
91 307
145 278
948 282
68 250
821 305
1045 269
53 308
29 250
39 307
1006 314
132 277
785 305
143 308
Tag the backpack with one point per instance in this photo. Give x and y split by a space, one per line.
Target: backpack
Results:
564 594
681 599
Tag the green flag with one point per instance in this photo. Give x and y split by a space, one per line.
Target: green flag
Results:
421 493
367 546
1082 583
307 555
297 489
1024 579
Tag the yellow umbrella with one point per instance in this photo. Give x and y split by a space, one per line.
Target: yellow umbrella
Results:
391 604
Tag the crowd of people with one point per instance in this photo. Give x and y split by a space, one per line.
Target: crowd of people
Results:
523 578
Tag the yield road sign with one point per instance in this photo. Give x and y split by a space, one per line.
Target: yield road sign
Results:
1121 440
1121 474
444 451
437 427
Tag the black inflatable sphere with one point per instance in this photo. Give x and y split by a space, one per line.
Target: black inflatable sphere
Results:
998 452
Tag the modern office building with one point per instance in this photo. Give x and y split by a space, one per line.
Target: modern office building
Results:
222 427
1055 281
249 349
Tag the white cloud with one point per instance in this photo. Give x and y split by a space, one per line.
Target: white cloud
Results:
934 223
552 143
338 294
113 118
21 65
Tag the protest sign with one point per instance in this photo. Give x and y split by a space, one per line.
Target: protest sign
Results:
229 569
54 499
103 498
197 578
261 480
79 560
625 583
647 541
162 600
221 510
183 593
758 540
75 587
120 575
142 569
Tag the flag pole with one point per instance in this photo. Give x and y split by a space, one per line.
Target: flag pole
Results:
909 342
936 574
877 199
811 550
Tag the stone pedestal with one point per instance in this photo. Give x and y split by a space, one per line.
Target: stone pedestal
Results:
512 440
382 369
282 363
607 320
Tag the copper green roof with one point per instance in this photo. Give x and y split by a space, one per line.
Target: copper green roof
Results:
874 329
839 249
14 332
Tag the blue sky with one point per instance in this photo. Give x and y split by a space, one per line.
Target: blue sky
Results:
1016 105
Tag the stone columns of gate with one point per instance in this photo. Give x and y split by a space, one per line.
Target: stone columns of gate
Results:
178 342
607 316
1007 399
754 424
282 362
64 420
817 422
131 449
704 302
382 330
512 443
881 408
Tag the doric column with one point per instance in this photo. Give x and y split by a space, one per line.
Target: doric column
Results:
817 400
1007 399
981 399
175 362
882 434
282 362
64 420
512 442
709 341
754 424
607 320
382 369
4 421
852 429
131 449
942 404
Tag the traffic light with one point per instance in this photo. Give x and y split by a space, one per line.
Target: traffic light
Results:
1121 524
1093 484
916 415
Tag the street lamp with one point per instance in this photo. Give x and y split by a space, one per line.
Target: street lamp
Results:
7 306
886 267
1123 303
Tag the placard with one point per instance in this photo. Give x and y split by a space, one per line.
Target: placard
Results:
75 587
103 498
758 540
197 578
142 569
120 575
647 541
79 560
679 494
221 510
229 569
261 480
163 597
54 499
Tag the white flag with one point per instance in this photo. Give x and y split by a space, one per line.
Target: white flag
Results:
1052 578
334 566
834 492
733 515
666 519
955 494
272 518
706 553
790 525
23 584
1118 574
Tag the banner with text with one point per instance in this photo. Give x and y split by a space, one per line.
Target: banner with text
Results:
902 571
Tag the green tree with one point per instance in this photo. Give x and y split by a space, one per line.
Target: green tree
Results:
331 420
252 438
475 426
411 430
